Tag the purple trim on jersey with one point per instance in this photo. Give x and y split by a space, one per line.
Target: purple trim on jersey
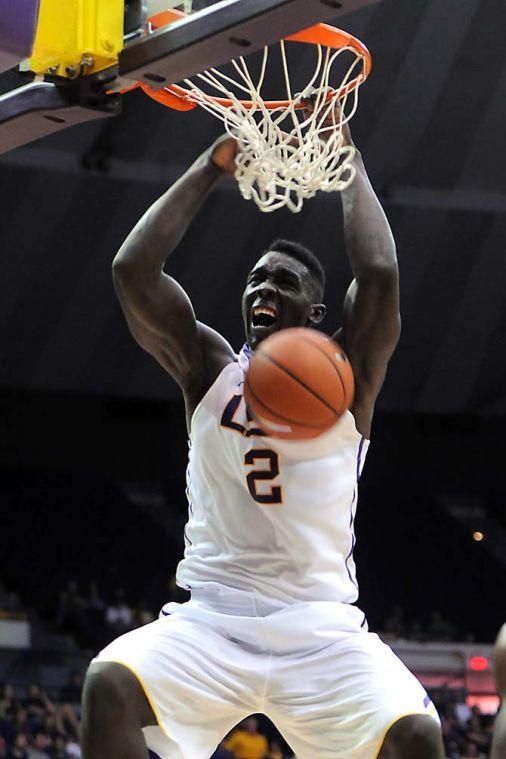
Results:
359 458
187 493
426 701
352 579
352 515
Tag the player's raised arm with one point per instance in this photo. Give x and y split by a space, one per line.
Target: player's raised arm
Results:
371 320
158 311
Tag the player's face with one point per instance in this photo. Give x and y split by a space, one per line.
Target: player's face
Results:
278 295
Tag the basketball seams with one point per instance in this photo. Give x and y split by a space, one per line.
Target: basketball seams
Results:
293 380
301 382
329 359
277 415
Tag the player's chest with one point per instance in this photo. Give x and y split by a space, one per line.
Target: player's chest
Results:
237 452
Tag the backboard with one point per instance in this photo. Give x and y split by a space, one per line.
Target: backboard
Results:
212 33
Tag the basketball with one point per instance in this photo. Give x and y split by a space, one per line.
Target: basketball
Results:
299 384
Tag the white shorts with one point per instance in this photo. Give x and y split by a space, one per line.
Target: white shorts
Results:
331 688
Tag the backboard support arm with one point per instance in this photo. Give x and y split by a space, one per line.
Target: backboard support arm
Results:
214 36
201 41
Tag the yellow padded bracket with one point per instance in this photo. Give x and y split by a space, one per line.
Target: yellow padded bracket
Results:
77 36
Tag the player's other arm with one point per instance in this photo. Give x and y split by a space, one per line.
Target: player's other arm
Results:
158 311
371 319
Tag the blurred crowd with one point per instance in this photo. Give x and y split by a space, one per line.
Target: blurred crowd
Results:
95 619
35 726
247 741
467 733
434 628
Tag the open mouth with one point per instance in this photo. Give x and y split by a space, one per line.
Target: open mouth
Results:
263 316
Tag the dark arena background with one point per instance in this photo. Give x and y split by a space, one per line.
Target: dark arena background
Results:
93 441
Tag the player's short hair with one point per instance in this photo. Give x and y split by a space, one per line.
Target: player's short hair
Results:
306 257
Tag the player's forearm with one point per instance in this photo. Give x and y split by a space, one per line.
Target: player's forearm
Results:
160 230
369 241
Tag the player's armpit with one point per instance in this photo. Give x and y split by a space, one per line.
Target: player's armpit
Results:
371 327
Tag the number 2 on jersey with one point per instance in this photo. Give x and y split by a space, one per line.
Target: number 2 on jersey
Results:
273 497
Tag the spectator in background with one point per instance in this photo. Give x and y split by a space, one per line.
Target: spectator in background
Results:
439 628
37 704
71 692
10 601
247 743
475 734
394 624
72 750
68 721
71 609
58 751
20 722
462 710
49 725
9 703
416 631
451 732
275 751
40 747
119 615
142 615
472 752
223 753
94 601
95 617
6 728
20 748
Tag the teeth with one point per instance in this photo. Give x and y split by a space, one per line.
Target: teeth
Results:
264 310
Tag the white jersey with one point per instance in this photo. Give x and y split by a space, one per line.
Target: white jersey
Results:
274 518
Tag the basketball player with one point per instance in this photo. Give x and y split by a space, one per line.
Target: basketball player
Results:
271 625
499 741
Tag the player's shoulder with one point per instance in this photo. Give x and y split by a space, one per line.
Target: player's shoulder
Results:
218 352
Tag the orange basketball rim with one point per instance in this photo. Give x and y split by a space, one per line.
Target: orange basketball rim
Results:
179 98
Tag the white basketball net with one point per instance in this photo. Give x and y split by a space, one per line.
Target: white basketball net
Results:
286 155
